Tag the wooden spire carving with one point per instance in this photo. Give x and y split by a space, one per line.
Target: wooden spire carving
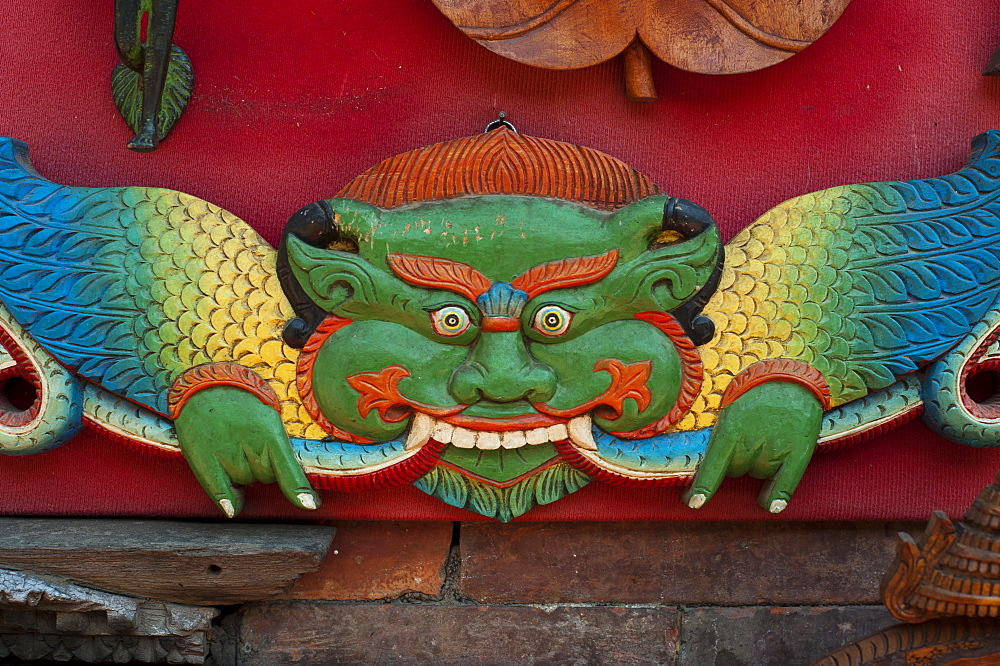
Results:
954 568
945 587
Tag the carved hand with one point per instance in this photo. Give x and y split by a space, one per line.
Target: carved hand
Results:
769 432
229 437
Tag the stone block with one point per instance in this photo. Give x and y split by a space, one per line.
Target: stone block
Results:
677 563
380 560
304 633
772 636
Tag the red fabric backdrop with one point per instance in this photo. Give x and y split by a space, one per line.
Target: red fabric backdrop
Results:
293 99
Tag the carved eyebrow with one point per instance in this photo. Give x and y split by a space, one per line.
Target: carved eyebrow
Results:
466 280
563 273
439 273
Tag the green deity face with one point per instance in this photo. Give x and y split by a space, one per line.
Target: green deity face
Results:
498 322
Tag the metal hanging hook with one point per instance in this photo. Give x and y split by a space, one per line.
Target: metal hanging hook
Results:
498 123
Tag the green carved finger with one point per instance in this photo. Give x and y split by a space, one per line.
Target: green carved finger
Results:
215 481
259 463
278 463
744 459
715 466
770 456
778 490
800 434
228 437
770 431
237 468
292 479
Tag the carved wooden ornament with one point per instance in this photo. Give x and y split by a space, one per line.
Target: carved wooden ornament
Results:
498 320
706 36
945 585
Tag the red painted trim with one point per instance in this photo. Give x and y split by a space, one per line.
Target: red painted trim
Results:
400 474
989 409
500 324
501 484
134 444
778 370
208 375
871 433
691 374
24 368
380 391
628 380
523 422
570 454
304 379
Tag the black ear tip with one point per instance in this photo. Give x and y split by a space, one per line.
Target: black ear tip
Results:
701 330
296 333
686 217
313 223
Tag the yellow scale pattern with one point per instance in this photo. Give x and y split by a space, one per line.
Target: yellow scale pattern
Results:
782 295
215 295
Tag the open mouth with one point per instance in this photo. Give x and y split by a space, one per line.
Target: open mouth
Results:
425 427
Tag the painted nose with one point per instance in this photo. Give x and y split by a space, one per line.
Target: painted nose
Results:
499 369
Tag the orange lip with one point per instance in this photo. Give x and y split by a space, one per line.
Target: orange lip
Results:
523 422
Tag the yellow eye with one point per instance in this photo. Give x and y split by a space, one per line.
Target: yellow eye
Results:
450 321
552 320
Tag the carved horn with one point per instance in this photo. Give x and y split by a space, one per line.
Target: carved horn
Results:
689 220
315 224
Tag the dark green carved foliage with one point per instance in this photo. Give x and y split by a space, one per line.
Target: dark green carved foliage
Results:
126 88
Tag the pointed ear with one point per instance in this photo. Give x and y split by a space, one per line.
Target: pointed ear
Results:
339 282
683 258
331 223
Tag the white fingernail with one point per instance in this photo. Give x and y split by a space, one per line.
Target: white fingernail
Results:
777 506
227 508
308 501
697 501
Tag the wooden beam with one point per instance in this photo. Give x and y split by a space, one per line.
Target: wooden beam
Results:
195 563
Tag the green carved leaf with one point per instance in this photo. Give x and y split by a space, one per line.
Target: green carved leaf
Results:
126 88
501 465
504 504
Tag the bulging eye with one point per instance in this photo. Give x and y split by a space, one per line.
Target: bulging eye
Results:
552 320
450 321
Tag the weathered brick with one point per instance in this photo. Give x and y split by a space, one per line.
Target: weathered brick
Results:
379 560
696 563
772 636
305 633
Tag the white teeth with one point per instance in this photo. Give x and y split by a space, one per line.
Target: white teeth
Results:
463 439
581 433
420 431
537 436
558 432
488 440
513 439
424 428
443 432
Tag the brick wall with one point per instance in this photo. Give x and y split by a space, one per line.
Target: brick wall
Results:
587 593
